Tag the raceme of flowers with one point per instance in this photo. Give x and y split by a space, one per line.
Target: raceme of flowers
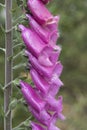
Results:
45 68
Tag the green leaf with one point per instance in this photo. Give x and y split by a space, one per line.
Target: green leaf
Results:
2 111
19 2
26 122
13 10
13 104
7 113
18 128
18 45
3 49
21 100
10 58
1 86
19 18
2 28
16 82
17 55
2 5
19 66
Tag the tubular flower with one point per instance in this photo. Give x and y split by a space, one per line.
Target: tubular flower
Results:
45 68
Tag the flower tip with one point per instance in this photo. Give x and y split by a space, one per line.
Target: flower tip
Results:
46 63
61 117
27 53
57 18
21 27
27 16
21 84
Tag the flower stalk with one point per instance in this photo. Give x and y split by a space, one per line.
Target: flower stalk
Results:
8 66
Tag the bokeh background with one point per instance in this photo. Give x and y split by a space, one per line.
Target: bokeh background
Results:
73 39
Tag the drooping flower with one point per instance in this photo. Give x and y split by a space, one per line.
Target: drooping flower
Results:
31 96
40 12
48 34
45 68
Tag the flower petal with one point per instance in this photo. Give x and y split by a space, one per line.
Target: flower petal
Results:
43 117
36 126
48 34
31 96
32 41
39 81
45 71
39 11
53 104
55 86
50 55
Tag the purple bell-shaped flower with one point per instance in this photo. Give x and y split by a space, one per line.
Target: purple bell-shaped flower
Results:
45 68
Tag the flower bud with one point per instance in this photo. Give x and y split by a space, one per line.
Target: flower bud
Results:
45 68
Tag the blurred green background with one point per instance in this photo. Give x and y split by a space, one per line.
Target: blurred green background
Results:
73 39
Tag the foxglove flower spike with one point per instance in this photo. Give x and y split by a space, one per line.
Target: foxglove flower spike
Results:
45 68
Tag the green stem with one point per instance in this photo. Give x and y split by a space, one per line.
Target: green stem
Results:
2 5
8 65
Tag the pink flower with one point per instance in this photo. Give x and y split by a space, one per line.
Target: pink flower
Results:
40 12
40 83
43 117
32 41
48 34
45 68
31 96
